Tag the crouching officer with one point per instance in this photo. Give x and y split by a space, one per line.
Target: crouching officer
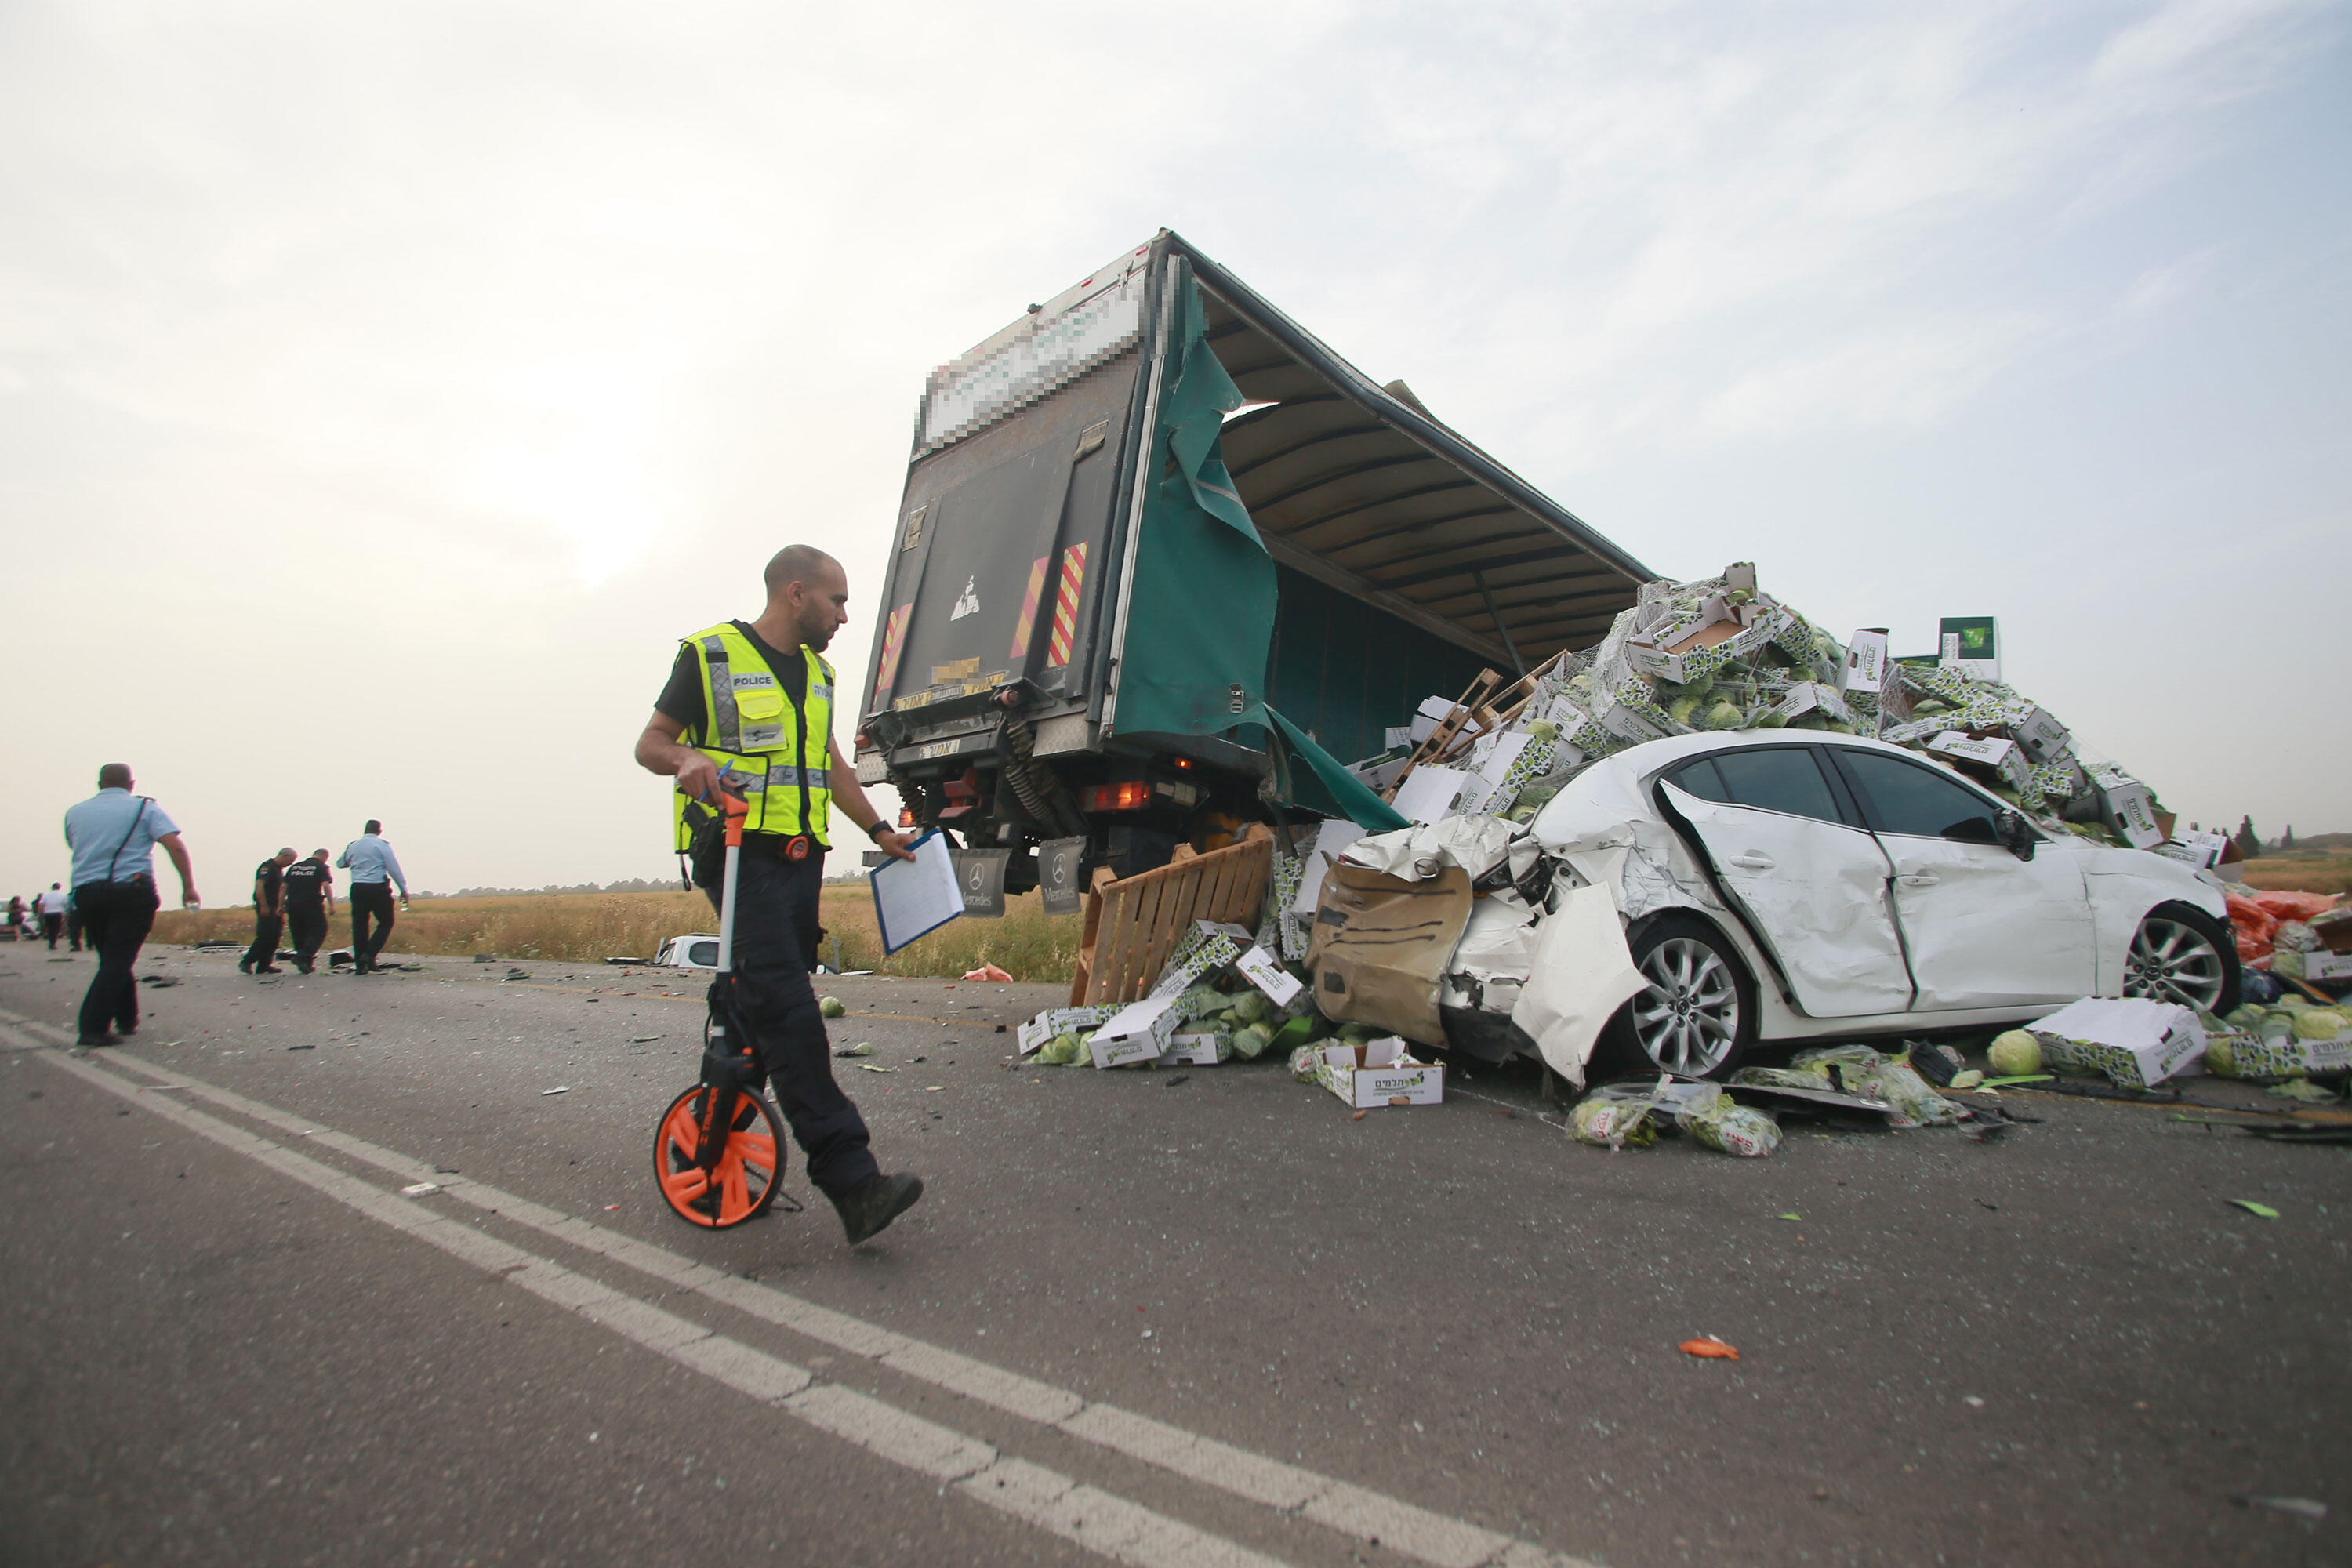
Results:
749 709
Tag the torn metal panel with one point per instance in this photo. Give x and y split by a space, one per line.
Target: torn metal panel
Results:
1581 974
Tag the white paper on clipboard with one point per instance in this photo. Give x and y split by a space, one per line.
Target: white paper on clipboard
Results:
913 898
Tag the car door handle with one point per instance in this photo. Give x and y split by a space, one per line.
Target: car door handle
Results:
1754 860
1917 879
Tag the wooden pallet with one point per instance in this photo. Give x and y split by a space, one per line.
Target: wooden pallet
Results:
1132 926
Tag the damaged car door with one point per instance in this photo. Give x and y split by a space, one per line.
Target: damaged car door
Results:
1984 925
1812 882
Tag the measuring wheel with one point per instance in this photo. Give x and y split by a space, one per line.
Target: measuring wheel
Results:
747 1176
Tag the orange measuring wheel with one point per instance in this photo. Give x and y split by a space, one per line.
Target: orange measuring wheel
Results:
748 1174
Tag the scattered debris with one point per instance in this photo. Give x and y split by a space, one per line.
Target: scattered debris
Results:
986 972
419 1189
832 1007
2259 1211
2301 1507
861 1048
560 1089
1707 1347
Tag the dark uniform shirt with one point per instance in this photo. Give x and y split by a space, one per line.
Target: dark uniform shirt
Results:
306 886
681 699
268 875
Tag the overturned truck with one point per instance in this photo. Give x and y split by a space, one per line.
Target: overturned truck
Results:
1162 552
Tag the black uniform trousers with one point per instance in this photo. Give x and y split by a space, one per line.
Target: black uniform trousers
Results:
51 926
309 927
370 900
775 947
115 917
267 930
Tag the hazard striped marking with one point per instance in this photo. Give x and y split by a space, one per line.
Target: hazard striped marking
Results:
1066 607
893 634
1027 624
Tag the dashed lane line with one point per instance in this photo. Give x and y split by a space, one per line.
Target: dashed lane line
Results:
1100 1522
1423 1534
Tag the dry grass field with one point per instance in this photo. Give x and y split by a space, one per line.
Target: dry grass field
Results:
2300 870
1027 942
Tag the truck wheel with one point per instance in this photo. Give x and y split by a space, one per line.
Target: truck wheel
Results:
2182 954
1697 1018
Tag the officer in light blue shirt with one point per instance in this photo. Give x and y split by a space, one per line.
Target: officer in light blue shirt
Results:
374 868
113 836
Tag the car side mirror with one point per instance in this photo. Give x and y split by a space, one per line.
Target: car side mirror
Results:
2016 834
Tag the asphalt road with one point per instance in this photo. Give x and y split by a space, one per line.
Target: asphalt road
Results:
1147 1317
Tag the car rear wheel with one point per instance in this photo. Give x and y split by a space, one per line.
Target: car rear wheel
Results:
2182 954
1698 1017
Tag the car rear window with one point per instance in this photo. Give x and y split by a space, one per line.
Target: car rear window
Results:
1904 797
1784 779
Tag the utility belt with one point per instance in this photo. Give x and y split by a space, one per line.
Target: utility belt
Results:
708 855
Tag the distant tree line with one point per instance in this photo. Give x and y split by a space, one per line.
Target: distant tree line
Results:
634 885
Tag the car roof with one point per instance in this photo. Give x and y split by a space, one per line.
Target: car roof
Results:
1650 755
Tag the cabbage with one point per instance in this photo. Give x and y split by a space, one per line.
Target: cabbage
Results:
1250 1043
1724 716
1772 719
831 1007
2221 1059
1249 1007
2318 1024
1542 730
1059 1052
2287 962
1681 709
2015 1054
1357 1033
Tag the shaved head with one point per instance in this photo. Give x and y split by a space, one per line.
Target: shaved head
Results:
114 775
798 564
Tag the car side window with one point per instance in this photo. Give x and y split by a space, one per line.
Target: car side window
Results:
1900 796
1778 778
1699 778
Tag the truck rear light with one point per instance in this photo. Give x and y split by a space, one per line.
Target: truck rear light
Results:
906 817
1133 795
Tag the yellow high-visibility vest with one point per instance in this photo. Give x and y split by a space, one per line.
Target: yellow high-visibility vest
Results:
777 757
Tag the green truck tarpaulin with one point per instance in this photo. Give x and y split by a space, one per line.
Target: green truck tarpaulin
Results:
1201 615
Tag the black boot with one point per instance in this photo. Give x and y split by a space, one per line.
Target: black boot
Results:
868 1209
245 966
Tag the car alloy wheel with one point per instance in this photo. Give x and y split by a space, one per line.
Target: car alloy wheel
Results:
2173 961
1688 1020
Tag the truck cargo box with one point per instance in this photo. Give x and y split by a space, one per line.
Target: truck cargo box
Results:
1150 510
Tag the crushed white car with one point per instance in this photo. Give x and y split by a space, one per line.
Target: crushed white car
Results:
1696 896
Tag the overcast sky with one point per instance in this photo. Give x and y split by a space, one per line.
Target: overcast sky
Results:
385 389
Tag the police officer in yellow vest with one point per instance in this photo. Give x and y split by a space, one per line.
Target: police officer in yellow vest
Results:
750 703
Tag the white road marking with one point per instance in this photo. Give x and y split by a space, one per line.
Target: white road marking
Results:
1412 1530
1099 1522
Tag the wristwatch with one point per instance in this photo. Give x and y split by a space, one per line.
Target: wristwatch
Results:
877 830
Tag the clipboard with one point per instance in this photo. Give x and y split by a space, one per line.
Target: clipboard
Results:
914 898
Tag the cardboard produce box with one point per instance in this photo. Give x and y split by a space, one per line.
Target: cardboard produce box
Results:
1056 1021
1138 1032
2003 760
1377 1073
2136 1042
2126 807
1207 947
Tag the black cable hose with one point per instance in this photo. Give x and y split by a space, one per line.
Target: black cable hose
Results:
1040 792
